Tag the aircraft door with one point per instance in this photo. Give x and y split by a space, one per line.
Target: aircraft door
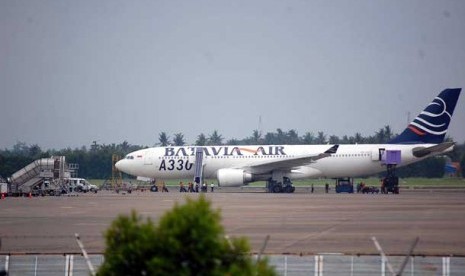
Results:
378 154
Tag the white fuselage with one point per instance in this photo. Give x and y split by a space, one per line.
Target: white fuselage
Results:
348 161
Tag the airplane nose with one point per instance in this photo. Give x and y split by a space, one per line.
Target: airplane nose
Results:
125 166
119 165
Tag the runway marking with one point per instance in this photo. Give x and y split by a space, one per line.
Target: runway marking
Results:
319 233
91 224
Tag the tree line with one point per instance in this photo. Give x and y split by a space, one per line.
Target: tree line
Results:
280 137
95 161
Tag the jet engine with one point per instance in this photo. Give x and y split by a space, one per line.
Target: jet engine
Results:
233 177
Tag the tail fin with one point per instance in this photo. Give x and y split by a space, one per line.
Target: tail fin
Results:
431 125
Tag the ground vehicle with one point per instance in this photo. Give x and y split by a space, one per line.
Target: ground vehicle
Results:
369 190
390 184
3 187
344 185
81 185
46 187
364 189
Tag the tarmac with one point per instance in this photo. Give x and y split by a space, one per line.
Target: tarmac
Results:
301 223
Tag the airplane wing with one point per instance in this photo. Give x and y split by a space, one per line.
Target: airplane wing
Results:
289 163
424 151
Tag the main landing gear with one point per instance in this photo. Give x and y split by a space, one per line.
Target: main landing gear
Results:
391 181
274 186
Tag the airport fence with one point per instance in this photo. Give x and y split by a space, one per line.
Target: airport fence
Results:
286 265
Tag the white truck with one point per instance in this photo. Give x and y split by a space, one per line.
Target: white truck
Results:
81 185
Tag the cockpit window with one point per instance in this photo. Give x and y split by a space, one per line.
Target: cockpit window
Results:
129 157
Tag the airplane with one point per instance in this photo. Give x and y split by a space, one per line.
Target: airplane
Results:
234 165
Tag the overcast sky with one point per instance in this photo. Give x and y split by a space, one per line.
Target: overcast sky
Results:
73 72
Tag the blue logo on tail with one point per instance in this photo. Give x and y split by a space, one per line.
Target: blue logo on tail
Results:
431 125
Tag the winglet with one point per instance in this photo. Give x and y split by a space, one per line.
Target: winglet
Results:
332 149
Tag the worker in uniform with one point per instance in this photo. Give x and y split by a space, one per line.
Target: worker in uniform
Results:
212 187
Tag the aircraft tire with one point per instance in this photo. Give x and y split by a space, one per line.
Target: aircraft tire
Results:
277 188
289 189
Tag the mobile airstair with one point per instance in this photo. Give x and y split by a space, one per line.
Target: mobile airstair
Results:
42 174
198 173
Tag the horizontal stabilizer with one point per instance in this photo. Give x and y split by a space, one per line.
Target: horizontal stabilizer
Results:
424 151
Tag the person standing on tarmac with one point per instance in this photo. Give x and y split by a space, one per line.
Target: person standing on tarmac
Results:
212 187
164 187
182 189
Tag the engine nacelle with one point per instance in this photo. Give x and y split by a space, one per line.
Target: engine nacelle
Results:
233 177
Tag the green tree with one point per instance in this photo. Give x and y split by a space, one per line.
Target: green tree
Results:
256 138
124 147
281 136
270 139
163 139
345 139
95 146
457 153
308 138
321 138
334 139
215 139
35 151
293 137
21 148
179 139
188 240
358 139
432 167
388 133
201 140
233 141
383 135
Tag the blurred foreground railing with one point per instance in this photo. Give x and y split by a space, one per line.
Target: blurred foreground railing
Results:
323 264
